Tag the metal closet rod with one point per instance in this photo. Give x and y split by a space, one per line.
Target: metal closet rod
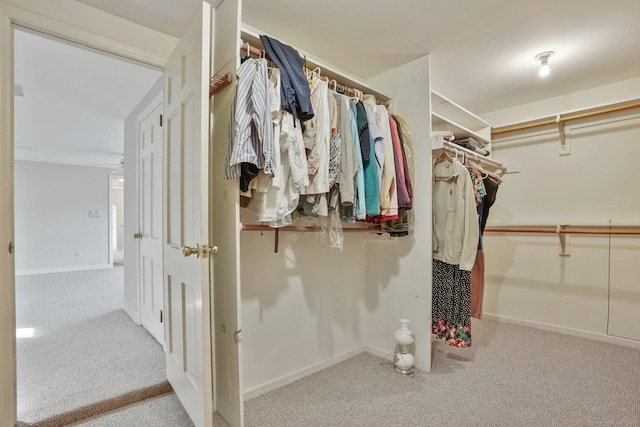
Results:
562 230
559 119
348 90
303 229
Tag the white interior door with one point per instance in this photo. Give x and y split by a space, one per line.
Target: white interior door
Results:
150 140
186 215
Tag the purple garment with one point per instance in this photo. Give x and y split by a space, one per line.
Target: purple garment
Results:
404 200
405 165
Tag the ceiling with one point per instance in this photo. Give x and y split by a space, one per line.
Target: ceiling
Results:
482 52
75 101
482 56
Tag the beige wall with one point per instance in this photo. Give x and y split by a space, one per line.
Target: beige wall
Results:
594 291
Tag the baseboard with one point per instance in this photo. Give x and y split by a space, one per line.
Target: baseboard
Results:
62 269
564 330
383 354
133 314
301 373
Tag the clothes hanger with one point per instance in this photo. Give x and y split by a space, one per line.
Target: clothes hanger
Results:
475 166
335 85
486 173
444 157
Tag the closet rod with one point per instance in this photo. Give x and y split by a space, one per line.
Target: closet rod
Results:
218 82
561 230
303 229
348 90
554 120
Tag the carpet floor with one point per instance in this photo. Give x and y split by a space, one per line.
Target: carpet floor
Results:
84 348
512 376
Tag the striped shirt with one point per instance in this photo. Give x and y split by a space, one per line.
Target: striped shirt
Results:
250 128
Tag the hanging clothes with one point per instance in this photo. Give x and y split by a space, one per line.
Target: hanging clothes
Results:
295 92
477 272
388 187
371 180
342 164
451 310
361 205
335 141
455 244
402 178
401 138
455 219
250 144
317 134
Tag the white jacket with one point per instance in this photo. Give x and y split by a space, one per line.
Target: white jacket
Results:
455 217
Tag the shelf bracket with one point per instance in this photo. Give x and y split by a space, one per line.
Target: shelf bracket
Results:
565 146
565 241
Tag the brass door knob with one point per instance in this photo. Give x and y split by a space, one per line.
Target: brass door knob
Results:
137 236
187 251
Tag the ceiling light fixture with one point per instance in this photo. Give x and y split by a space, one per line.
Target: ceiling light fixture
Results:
544 62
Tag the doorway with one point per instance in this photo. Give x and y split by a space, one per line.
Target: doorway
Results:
116 218
69 130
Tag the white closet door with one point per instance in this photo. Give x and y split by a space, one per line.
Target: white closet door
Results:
186 216
151 243
624 292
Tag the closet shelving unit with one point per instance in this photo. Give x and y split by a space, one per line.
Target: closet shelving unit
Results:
251 40
446 115
279 318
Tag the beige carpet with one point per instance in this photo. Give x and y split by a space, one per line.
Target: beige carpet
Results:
512 376
87 356
85 349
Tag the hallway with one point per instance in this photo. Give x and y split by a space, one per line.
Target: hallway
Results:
76 346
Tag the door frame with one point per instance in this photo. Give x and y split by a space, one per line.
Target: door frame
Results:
89 27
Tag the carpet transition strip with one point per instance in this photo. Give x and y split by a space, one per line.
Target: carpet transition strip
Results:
101 407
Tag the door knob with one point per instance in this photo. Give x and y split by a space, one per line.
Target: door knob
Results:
137 236
187 251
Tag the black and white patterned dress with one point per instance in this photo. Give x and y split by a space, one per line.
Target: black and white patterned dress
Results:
451 304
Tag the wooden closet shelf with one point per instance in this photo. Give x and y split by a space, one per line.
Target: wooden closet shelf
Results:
304 229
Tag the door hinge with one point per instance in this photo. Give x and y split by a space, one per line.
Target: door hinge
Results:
161 319
160 119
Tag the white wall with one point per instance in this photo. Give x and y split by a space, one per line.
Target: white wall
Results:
301 307
593 292
131 201
52 204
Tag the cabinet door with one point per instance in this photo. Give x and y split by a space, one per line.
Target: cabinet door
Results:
624 288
